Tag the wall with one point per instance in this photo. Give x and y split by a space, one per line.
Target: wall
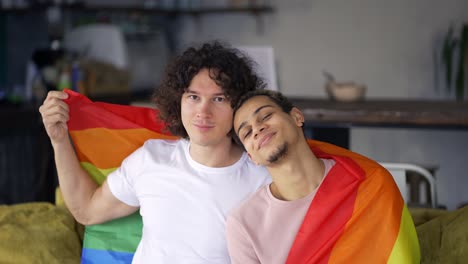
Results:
387 45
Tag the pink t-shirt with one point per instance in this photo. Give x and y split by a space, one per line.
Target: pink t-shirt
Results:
263 228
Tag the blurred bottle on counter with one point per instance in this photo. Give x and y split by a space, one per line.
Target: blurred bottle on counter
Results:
64 79
77 78
45 71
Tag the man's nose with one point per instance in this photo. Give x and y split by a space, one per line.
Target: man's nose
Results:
259 129
204 109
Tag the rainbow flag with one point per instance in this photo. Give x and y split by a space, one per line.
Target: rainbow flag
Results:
103 135
357 216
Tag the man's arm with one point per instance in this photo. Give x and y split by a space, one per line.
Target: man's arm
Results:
88 202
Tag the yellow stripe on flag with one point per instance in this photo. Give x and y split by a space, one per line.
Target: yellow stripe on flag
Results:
98 175
406 248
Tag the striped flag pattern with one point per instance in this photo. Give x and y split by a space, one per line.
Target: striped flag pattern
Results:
357 216
103 135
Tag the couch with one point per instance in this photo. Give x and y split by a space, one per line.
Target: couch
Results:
42 232
443 235
39 232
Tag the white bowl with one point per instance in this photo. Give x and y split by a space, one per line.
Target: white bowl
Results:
346 92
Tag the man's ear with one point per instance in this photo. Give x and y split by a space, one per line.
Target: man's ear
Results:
298 116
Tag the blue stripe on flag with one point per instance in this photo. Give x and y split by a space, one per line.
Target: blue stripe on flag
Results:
98 256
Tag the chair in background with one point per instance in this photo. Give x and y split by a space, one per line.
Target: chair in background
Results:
403 174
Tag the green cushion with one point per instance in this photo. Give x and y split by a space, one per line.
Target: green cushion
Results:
423 215
38 233
444 239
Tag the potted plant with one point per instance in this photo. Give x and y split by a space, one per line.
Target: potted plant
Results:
454 58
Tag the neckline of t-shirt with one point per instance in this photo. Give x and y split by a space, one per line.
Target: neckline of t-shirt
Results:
198 166
329 163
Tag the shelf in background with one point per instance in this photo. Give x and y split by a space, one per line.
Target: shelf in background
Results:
141 9
386 113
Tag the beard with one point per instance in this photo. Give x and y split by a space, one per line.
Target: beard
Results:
279 153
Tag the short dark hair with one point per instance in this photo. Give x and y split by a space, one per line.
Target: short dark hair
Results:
278 98
228 67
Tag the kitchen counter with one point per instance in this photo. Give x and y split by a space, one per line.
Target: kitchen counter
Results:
390 113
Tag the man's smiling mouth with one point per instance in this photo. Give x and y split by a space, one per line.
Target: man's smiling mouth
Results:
265 140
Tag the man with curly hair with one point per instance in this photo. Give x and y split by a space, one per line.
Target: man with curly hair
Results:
184 188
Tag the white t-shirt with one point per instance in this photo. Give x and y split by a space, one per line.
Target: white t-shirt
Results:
263 228
183 204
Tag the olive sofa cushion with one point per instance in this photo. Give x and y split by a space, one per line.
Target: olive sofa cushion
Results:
38 232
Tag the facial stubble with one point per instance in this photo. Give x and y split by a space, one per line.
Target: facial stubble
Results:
279 153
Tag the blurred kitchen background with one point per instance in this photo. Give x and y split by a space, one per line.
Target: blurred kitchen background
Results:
393 47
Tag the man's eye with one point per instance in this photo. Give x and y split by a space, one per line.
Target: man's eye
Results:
247 134
219 99
266 116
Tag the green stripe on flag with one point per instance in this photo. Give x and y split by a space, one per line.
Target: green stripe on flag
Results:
121 235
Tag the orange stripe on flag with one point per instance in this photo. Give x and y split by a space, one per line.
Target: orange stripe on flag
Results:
371 233
109 154
366 238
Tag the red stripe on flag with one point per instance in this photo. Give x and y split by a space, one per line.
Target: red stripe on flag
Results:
328 213
86 114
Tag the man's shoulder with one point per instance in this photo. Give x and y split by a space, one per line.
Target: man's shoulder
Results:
160 150
251 206
255 169
327 150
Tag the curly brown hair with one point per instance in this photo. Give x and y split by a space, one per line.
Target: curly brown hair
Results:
228 67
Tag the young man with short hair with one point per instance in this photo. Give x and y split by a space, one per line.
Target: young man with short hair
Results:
325 204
